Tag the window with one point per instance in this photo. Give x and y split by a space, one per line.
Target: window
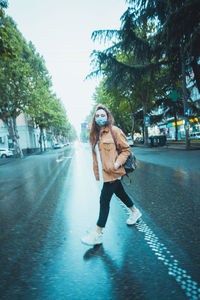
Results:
2 139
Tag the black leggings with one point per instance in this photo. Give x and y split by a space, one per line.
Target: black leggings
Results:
110 188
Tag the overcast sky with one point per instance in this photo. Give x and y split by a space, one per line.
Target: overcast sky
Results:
61 32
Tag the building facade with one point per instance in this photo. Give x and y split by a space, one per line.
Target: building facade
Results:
28 135
168 127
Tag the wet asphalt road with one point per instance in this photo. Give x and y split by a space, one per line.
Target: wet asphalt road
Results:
47 203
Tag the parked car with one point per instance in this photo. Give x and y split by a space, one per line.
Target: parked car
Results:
130 141
5 153
56 146
139 140
195 136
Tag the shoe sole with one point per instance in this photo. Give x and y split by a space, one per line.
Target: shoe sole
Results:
85 243
135 222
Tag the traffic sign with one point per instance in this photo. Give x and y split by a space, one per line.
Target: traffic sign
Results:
187 111
147 121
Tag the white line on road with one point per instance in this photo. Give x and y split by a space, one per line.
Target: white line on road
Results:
63 158
183 279
189 286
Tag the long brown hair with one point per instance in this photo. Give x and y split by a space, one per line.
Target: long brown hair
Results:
95 129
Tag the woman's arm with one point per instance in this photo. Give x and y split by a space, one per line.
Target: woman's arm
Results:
122 145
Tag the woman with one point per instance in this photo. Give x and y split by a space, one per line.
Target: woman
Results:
108 168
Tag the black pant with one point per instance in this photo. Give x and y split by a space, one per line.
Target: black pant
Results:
110 188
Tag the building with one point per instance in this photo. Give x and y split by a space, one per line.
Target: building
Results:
168 127
28 135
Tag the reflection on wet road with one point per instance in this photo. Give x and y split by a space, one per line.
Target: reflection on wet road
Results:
47 204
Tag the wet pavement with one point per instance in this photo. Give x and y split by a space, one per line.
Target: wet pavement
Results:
180 158
48 202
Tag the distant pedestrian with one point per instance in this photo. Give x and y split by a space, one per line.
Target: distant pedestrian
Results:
108 169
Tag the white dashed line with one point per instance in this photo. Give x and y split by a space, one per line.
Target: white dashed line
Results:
183 279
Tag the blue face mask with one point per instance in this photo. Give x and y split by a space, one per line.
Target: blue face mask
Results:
101 121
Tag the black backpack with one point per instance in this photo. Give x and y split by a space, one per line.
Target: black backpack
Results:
130 164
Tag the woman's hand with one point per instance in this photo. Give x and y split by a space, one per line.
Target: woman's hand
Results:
116 165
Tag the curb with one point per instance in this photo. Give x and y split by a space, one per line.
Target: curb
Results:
170 147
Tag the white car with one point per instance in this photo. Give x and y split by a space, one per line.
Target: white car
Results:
5 153
130 141
58 146
195 136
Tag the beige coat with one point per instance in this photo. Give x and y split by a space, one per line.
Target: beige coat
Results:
109 154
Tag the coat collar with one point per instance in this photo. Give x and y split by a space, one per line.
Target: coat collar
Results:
105 129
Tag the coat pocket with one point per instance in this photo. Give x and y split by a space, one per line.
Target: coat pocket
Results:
108 155
108 145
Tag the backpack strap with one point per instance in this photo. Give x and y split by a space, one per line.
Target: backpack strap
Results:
113 137
116 149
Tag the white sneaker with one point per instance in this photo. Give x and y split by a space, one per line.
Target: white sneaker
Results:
134 216
93 238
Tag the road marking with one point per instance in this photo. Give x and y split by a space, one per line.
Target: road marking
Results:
63 158
190 287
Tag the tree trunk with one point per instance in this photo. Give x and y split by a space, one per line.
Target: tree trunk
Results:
44 143
196 70
176 127
143 131
144 104
133 119
41 139
133 127
184 92
13 133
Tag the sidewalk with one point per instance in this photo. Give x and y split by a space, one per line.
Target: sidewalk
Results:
175 145
181 145
175 156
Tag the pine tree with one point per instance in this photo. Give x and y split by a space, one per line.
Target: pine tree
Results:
177 38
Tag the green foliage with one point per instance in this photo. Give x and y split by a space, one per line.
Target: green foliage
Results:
117 103
47 111
25 86
71 133
3 4
155 48
8 47
15 76
130 69
178 30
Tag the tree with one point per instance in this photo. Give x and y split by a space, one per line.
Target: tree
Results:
14 85
179 46
124 105
117 103
129 64
171 108
71 133
59 123
8 49
3 4
25 87
40 97
47 112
